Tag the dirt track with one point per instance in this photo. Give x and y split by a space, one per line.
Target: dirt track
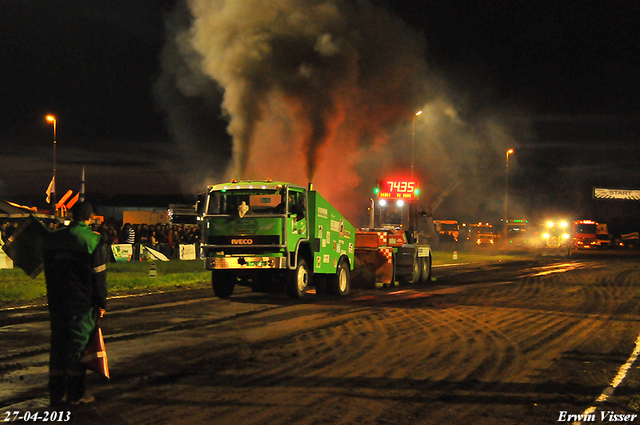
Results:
507 344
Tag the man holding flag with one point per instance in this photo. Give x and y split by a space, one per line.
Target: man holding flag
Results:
76 277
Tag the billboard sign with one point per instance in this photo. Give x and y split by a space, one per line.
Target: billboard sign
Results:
624 194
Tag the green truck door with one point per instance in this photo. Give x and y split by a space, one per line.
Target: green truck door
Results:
296 217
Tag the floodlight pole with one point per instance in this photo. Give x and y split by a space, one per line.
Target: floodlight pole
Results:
52 119
506 197
413 138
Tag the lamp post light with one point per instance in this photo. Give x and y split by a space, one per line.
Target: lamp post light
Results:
506 197
52 119
413 138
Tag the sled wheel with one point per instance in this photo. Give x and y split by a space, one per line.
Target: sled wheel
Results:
425 269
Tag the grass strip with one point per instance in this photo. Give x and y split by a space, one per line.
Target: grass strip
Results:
16 287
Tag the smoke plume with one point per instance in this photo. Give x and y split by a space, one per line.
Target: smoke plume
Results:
314 90
313 65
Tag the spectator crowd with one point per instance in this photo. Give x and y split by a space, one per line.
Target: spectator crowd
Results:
164 238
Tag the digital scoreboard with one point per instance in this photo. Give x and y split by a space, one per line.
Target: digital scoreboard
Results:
398 189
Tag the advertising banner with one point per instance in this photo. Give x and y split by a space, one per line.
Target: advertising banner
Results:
188 252
5 261
122 252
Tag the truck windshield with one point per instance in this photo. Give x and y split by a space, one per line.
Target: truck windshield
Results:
391 216
246 202
485 231
584 228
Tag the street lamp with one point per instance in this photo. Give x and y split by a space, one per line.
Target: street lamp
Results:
506 198
413 138
52 119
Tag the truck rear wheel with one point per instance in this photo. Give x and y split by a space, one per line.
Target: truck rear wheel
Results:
223 283
425 269
407 265
340 283
298 280
415 274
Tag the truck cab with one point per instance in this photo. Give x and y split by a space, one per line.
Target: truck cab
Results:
482 234
554 237
448 230
585 234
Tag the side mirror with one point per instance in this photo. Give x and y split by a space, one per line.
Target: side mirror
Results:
201 204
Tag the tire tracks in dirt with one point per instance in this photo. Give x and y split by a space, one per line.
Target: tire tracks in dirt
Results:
467 353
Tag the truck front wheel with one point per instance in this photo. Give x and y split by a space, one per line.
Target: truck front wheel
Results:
223 283
298 280
340 283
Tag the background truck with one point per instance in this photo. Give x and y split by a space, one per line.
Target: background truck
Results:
144 217
603 236
585 234
182 214
629 240
267 235
554 237
481 234
518 233
448 230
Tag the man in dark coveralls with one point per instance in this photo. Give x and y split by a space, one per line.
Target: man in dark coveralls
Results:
76 276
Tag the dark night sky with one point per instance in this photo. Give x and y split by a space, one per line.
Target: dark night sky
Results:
573 67
562 57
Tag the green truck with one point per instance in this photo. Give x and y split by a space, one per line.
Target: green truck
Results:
266 235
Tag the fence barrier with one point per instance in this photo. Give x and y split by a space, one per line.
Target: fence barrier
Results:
124 252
